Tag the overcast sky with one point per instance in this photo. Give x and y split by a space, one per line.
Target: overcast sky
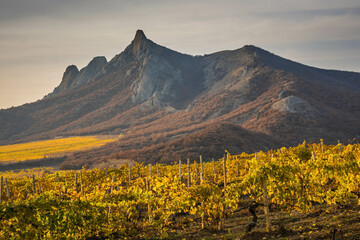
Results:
40 38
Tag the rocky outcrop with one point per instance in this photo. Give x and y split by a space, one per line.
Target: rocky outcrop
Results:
294 104
69 76
165 78
73 78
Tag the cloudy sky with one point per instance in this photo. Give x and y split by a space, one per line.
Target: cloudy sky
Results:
40 38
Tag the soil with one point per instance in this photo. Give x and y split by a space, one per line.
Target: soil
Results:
319 223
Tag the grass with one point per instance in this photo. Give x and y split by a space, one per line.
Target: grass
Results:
51 148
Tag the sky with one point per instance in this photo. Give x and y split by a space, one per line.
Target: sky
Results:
40 38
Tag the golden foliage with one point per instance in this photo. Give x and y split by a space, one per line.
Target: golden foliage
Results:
51 148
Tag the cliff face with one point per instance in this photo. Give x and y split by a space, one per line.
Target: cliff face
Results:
155 96
73 78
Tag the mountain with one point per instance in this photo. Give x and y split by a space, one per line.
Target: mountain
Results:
171 105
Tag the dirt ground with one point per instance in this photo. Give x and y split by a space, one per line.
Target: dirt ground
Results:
319 223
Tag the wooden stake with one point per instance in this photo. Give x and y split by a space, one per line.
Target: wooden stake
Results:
180 171
189 173
157 169
146 184
201 170
39 188
113 181
339 146
201 182
1 188
81 183
237 170
202 217
150 172
313 155
7 189
76 182
266 207
225 171
129 173
222 222
214 170
34 188
107 173
58 178
196 172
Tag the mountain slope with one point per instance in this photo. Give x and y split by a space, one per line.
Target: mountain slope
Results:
157 96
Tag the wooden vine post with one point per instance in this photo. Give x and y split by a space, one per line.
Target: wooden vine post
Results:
180 171
225 171
222 221
150 174
147 186
157 170
113 183
1 188
339 143
129 173
196 172
313 156
214 170
81 184
201 171
266 207
237 170
33 182
76 182
7 189
189 173
202 203
58 178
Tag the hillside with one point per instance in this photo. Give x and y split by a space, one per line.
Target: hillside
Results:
165 102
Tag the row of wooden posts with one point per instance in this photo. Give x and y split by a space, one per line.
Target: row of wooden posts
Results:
1 188
201 175
147 183
150 174
76 184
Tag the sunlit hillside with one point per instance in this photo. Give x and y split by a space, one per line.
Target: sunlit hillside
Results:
51 148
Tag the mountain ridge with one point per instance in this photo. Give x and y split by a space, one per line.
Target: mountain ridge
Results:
154 95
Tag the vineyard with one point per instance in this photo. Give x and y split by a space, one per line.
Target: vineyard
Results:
50 148
161 201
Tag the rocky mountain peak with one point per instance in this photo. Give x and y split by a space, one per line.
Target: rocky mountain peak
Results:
68 78
139 36
139 43
70 72
97 62
73 77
